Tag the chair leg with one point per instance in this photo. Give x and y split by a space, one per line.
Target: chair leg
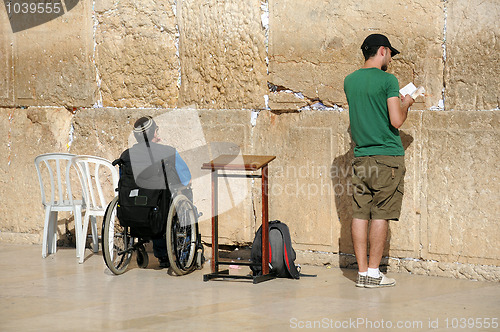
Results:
83 238
53 232
95 236
46 231
79 230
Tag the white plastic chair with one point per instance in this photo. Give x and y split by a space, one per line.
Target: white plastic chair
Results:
61 198
94 172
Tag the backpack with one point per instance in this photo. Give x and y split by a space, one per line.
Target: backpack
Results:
141 209
281 253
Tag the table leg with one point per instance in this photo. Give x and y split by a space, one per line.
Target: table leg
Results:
265 223
215 224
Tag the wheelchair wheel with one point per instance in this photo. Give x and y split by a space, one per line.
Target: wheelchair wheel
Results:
182 235
116 241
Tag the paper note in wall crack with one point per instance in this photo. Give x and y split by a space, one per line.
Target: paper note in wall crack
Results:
412 90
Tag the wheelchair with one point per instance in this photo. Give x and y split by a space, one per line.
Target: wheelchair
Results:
180 230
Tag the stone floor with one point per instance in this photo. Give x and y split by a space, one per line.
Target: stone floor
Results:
58 294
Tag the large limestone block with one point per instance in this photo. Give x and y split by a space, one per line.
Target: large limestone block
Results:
27 133
222 51
313 45
305 175
472 55
404 235
136 53
53 62
460 209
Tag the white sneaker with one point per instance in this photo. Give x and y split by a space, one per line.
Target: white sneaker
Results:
361 281
381 281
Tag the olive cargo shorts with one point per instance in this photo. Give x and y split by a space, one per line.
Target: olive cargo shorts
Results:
378 187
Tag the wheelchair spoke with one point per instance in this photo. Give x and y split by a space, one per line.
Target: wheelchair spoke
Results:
182 233
116 241
121 260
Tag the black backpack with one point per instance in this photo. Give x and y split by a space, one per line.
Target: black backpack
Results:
281 253
143 210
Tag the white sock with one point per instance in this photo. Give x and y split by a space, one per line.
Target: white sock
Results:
364 274
374 273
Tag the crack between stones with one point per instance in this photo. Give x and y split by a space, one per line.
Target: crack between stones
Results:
98 103
312 102
445 18
177 47
264 7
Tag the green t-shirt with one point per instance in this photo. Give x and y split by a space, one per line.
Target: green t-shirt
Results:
367 91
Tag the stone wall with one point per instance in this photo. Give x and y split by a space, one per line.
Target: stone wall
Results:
266 77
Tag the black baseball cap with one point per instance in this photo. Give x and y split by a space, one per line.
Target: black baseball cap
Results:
377 39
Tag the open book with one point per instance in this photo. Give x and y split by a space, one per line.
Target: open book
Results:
412 90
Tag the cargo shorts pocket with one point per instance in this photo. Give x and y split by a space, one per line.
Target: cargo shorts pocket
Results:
388 163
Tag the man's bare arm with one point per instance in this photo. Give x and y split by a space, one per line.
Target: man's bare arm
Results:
398 111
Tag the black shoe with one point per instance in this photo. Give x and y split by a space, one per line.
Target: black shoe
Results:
164 263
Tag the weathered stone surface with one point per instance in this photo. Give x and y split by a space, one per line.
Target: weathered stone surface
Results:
103 132
286 101
325 258
472 77
52 62
226 133
212 55
314 56
310 181
448 211
396 265
459 190
341 180
16 237
455 270
27 133
222 50
6 68
404 235
136 53
301 186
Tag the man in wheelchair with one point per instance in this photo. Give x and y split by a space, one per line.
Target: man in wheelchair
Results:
145 189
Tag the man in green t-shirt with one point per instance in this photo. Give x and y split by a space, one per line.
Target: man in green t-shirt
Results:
375 114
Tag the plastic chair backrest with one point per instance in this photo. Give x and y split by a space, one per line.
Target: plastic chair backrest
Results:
93 172
61 161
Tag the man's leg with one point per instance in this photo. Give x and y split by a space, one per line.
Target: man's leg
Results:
359 232
160 252
378 236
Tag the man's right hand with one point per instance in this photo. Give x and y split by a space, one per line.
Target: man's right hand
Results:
407 100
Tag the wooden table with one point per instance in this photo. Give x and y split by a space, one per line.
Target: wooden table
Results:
246 163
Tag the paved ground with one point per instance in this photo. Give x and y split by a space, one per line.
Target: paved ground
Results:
58 294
